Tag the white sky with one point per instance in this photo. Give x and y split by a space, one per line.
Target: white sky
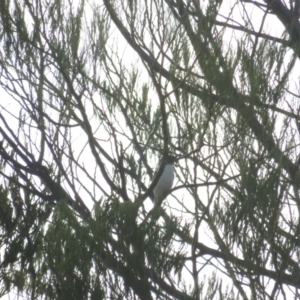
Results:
274 26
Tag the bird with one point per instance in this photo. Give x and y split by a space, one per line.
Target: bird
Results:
165 182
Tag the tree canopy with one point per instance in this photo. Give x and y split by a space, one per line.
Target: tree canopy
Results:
94 94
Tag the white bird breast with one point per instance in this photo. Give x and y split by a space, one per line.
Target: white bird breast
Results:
164 183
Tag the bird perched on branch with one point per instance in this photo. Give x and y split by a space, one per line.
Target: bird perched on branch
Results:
165 181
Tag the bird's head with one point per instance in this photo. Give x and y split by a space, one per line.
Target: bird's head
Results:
169 159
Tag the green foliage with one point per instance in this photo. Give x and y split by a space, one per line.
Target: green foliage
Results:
97 92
